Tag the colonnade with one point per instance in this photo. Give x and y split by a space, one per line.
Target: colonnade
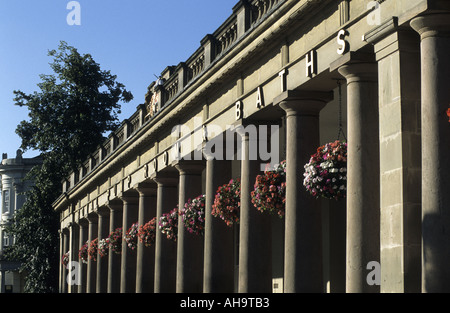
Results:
383 103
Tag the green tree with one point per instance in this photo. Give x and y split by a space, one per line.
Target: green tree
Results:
67 119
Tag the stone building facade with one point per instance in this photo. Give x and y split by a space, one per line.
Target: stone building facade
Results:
380 69
13 188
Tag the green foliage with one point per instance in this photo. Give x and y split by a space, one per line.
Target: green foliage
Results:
68 117
75 106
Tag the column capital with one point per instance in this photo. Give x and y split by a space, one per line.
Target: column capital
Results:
186 167
170 179
92 217
432 25
83 222
115 205
303 102
103 211
129 198
146 189
360 72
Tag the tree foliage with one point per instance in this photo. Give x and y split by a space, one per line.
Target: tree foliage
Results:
67 119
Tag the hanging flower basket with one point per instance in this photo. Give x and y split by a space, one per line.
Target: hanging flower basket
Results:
131 236
83 253
103 247
147 233
193 215
326 173
115 241
269 194
227 202
93 248
65 259
168 224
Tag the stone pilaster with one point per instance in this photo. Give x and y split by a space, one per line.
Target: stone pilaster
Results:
165 250
303 264
398 57
363 175
434 30
128 260
145 264
190 246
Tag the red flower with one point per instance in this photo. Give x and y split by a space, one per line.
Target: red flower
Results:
227 202
147 233
270 190
83 253
325 174
65 259
168 224
193 215
92 251
115 240
131 236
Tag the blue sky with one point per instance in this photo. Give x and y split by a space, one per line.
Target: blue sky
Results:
134 39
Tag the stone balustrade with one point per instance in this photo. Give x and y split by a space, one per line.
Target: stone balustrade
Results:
176 79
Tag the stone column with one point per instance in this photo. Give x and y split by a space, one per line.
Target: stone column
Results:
83 237
61 267
218 273
73 256
190 246
434 30
398 59
303 261
102 263
2 281
363 174
255 236
114 259
165 250
65 248
92 266
128 260
145 264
